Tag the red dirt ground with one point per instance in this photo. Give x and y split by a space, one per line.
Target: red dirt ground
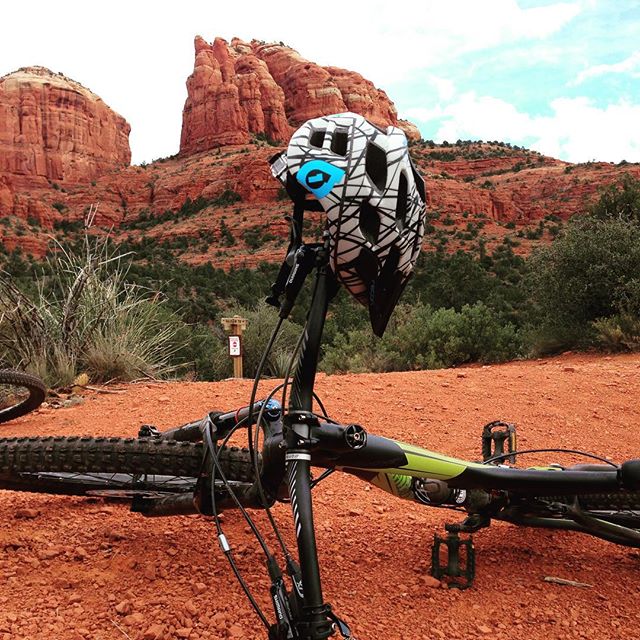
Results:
76 569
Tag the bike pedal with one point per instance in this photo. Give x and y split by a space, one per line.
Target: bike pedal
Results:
494 436
148 431
457 570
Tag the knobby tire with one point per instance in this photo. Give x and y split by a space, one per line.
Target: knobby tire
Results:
57 464
36 388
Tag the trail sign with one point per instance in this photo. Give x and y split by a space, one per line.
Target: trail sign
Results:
235 326
235 346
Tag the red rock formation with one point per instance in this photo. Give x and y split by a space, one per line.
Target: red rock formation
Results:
62 149
212 115
361 96
255 88
52 129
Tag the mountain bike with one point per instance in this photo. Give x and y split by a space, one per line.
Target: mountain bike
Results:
363 179
193 469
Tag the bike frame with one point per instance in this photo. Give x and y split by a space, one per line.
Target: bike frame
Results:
392 465
388 464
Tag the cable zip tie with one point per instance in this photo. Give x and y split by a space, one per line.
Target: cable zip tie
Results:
224 544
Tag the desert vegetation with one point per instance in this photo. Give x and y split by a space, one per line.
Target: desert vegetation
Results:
133 309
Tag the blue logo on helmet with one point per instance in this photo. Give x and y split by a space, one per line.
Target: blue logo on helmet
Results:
319 177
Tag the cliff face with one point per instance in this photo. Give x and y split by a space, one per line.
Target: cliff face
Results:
54 130
240 89
53 127
62 150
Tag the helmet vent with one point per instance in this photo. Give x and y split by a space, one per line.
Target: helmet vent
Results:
401 203
369 222
376 165
419 180
317 139
339 143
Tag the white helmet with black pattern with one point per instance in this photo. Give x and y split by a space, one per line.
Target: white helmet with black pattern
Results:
374 199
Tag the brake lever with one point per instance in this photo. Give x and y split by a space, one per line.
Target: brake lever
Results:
279 287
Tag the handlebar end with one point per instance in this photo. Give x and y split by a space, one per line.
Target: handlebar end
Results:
630 475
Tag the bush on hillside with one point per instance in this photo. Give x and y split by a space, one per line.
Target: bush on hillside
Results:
619 201
589 274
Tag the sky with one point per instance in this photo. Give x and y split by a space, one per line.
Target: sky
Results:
562 78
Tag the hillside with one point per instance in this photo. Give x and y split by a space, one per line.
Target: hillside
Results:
243 98
487 190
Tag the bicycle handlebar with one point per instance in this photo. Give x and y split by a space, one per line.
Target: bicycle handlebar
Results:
349 446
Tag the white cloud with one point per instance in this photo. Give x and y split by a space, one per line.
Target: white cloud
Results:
630 65
137 55
576 130
420 34
443 86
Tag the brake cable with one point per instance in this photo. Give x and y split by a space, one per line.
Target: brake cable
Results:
322 476
256 382
502 456
277 591
222 539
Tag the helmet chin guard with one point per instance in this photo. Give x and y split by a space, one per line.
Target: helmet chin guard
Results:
364 180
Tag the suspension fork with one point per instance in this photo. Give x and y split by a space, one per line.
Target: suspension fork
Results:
314 621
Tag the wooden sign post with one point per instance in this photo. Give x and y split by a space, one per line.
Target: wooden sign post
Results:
235 327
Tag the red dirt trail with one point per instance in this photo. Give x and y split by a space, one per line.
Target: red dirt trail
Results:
75 569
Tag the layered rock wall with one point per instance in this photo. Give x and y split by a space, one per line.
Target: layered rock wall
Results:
240 89
53 127
54 130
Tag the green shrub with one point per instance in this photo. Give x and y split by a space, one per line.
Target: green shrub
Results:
262 136
423 338
203 353
620 332
255 236
619 201
226 237
587 274
227 197
260 323
68 226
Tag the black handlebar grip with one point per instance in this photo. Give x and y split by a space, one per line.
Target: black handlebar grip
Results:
630 475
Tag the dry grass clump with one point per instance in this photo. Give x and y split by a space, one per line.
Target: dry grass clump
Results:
86 318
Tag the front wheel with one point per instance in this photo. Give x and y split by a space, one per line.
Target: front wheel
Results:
111 467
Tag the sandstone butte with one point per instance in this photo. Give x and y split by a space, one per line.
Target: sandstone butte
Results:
63 149
52 131
242 89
